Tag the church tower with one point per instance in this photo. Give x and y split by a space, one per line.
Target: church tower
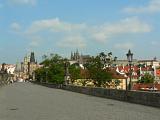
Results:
32 58
72 57
32 66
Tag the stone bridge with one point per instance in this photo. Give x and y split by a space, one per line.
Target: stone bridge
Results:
28 101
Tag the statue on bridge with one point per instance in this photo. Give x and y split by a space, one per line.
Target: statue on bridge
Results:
3 69
66 74
5 77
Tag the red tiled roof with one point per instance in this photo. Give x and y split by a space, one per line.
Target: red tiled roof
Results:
138 86
134 68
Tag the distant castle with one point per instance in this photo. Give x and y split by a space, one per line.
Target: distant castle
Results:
76 57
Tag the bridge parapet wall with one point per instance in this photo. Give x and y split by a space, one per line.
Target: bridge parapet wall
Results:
138 97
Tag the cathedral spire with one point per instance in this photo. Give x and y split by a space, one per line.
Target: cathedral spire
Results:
72 56
77 54
32 58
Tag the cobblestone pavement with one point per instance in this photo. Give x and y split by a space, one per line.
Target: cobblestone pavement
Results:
27 101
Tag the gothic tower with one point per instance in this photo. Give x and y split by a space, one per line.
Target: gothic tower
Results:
32 66
72 57
32 58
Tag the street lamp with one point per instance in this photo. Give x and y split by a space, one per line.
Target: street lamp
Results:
66 73
130 59
46 74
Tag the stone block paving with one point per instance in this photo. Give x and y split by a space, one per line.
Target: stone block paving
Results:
27 101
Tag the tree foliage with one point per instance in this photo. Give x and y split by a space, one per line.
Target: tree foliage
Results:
94 69
74 71
52 70
147 78
97 72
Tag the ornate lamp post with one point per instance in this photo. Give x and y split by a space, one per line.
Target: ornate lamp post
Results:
130 59
46 74
66 73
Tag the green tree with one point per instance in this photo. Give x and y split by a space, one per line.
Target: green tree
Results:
96 69
147 78
52 70
44 57
40 75
74 71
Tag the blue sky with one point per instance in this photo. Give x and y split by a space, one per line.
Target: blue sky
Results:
91 26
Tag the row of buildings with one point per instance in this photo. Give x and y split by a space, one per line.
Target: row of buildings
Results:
120 68
23 70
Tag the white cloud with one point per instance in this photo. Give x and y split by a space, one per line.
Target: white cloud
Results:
72 41
155 43
15 26
69 31
71 34
54 25
124 46
128 25
1 49
22 2
152 7
1 5
35 41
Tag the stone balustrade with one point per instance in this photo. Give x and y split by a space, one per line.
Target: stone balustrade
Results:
138 97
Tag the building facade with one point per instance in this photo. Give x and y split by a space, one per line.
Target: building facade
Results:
25 70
